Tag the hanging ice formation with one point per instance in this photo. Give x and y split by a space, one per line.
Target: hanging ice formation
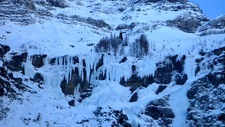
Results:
83 71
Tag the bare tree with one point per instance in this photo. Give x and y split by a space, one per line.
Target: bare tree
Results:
140 47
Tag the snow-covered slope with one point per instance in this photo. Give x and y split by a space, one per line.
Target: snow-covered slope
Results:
51 74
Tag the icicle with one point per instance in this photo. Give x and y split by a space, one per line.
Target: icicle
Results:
71 67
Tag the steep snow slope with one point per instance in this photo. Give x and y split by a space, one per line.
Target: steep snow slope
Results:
64 43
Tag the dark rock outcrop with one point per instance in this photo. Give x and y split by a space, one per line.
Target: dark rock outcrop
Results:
172 66
135 81
159 110
9 85
166 69
71 103
123 60
163 73
38 60
39 78
187 22
15 64
180 78
214 26
160 89
134 97
3 50
58 3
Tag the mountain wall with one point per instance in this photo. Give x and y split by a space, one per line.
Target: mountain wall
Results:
52 75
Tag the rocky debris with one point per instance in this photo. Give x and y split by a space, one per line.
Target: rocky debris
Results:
114 117
159 110
187 22
76 18
206 95
214 26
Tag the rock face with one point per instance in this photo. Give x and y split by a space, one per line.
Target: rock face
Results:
16 13
15 64
206 95
9 84
214 26
187 22
97 80
163 73
159 110
20 11
68 87
76 18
